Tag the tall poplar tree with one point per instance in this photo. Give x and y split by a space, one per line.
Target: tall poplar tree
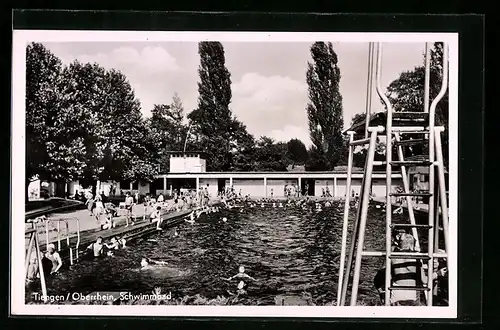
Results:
324 109
219 133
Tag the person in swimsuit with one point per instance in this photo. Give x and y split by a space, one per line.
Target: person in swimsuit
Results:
54 258
129 203
147 263
156 217
97 247
241 275
113 245
146 203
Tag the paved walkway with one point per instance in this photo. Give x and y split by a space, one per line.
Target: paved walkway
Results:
87 223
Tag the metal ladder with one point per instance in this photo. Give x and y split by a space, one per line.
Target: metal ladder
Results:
408 123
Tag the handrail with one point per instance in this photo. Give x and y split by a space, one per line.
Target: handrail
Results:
343 249
58 221
388 156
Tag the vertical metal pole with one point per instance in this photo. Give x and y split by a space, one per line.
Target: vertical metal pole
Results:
77 238
406 186
436 219
40 268
388 174
369 88
29 252
432 150
442 190
364 212
427 76
68 244
340 297
47 231
335 187
354 238
59 235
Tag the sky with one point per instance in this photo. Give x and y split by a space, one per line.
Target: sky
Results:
269 90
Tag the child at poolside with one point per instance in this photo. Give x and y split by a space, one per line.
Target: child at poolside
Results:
146 204
129 203
156 217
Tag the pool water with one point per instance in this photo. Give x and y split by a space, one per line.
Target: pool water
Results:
289 251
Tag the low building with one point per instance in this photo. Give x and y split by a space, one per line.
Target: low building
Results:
188 172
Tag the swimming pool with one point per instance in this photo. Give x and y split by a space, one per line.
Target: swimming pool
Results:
289 251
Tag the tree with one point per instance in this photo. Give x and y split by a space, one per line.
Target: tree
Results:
212 122
42 96
271 156
406 93
297 151
324 109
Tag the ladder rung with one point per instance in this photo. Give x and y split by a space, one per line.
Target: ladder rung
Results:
409 225
426 194
360 142
410 142
411 163
409 255
411 129
382 254
417 288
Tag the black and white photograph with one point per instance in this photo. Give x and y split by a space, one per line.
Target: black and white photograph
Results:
234 174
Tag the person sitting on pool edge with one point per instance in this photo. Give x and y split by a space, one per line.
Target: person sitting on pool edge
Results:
147 263
156 217
241 274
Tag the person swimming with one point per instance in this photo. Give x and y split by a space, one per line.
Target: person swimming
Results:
224 219
241 275
147 263
240 289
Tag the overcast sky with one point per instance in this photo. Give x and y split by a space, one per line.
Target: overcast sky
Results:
268 79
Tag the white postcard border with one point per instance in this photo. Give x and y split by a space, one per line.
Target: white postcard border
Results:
17 291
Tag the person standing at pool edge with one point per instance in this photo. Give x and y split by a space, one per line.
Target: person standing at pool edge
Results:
129 203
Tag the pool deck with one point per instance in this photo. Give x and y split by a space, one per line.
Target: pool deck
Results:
90 229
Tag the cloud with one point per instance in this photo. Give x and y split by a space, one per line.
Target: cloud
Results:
147 60
267 90
291 132
271 105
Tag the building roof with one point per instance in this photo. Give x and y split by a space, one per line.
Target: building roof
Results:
174 152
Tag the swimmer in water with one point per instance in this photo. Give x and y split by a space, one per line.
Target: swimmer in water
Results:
224 219
190 218
240 289
280 205
262 205
241 275
147 263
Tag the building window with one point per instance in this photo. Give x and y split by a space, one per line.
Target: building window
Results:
135 185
